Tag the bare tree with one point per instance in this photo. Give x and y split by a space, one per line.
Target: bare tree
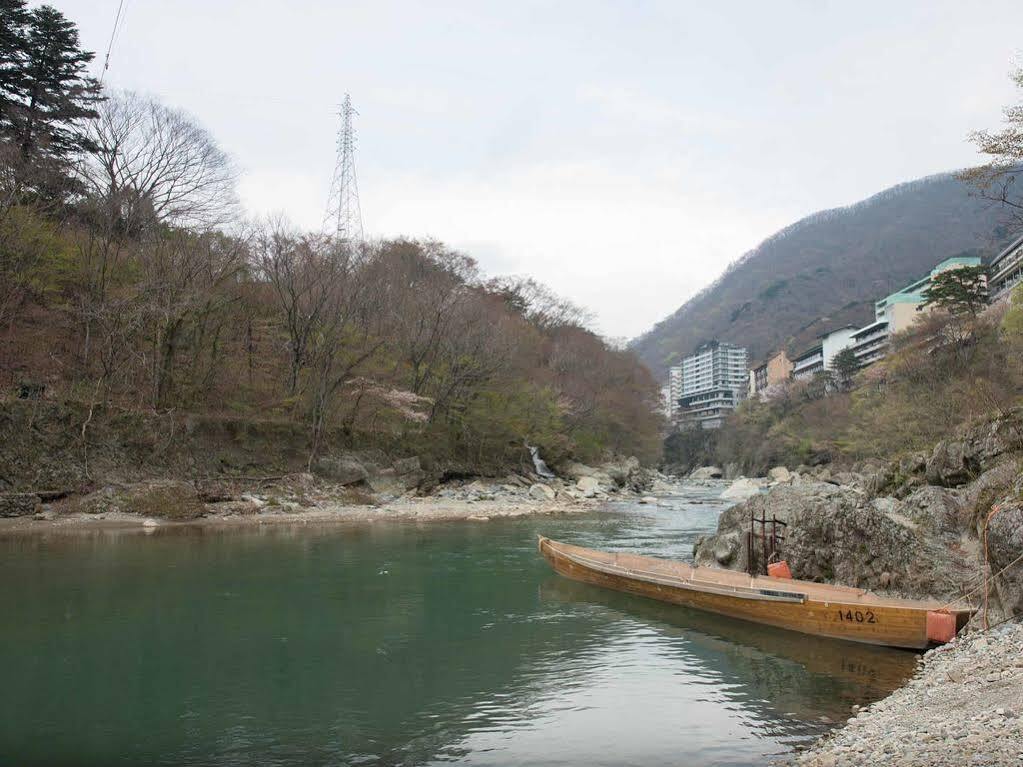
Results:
539 304
291 264
153 166
184 283
997 180
156 164
348 334
424 285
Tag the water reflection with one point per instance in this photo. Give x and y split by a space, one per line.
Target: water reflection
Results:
395 645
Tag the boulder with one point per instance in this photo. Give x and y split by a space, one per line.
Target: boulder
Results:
742 488
19 504
588 486
409 471
576 471
345 469
621 472
167 499
935 509
648 499
707 472
779 474
951 464
643 481
914 463
988 489
404 466
386 483
848 478
975 450
725 548
1004 546
541 492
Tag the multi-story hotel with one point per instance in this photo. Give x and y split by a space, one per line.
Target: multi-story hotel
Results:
898 311
1006 271
714 381
674 391
777 370
820 356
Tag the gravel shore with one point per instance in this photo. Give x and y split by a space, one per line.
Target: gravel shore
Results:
418 510
963 707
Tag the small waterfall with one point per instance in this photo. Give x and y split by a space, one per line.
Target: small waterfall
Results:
538 463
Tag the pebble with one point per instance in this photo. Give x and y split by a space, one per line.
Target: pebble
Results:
959 709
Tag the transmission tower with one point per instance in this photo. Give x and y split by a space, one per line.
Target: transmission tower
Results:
344 216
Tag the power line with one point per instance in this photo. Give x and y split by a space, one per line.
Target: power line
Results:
113 38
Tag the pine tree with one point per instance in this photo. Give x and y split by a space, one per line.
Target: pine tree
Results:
45 94
962 290
845 366
13 23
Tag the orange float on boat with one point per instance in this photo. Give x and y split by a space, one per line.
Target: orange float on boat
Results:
779 570
941 626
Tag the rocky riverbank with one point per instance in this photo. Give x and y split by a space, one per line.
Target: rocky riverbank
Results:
963 707
349 493
945 523
925 525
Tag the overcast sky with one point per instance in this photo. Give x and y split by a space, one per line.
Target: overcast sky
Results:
622 152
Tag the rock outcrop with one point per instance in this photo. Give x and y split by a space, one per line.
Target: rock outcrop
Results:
342 469
168 499
913 526
743 488
1004 548
18 504
836 534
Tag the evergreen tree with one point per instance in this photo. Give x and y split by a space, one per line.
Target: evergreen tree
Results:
13 24
45 94
844 366
961 290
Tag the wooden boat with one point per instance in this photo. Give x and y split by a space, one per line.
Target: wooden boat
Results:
839 612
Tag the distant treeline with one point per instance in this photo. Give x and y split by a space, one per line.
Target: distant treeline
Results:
129 278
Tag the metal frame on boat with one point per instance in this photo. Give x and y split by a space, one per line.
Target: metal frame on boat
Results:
839 612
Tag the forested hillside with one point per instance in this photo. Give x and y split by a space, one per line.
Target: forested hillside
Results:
131 281
828 269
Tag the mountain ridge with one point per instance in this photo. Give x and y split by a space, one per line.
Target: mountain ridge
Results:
826 270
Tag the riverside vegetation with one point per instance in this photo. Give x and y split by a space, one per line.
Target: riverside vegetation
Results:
148 329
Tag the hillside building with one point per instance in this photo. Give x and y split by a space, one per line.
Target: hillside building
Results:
674 391
1006 271
714 380
776 370
821 355
898 311
809 363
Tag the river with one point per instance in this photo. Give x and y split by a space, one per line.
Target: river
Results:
397 644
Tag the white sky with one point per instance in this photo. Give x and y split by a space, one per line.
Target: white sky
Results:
624 153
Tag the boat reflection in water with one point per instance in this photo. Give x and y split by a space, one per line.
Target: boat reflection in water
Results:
786 673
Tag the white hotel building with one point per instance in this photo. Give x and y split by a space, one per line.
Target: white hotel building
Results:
1006 271
710 384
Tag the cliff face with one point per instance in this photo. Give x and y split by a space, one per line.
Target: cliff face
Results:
827 270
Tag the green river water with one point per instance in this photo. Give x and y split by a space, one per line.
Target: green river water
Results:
397 644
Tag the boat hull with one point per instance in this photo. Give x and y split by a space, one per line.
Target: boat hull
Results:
833 615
